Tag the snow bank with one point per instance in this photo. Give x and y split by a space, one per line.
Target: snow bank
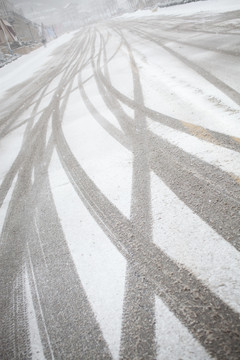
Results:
24 67
201 6
209 6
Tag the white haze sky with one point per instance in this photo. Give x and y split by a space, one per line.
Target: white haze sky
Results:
43 10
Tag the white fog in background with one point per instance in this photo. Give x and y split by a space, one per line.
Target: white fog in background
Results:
80 12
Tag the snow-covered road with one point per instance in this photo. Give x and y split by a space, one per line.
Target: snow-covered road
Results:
120 191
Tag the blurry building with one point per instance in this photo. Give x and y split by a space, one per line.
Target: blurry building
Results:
7 32
26 30
6 6
18 29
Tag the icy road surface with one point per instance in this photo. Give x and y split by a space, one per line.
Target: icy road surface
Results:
120 193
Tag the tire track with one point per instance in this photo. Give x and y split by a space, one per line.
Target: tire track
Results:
32 87
12 258
202 187
138 335
226 89
106 124
50 265
186 297
155 27
62 316
199 132
25 198
28 140
189 128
